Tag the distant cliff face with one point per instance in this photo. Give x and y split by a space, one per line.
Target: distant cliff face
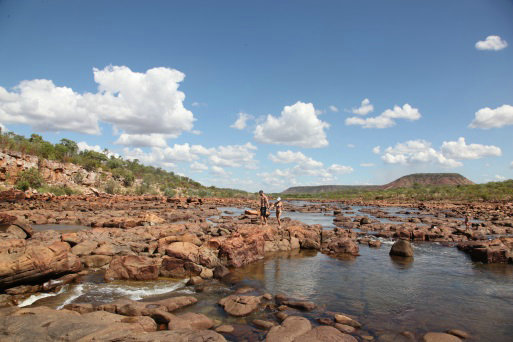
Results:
426 179
416 179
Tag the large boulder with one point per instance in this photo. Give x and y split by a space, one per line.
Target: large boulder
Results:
291 327
133 268
178 268
240 305
401 248
183 250
325 334
37 263
190 320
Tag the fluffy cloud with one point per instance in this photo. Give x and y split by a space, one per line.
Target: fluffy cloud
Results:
219 171
420 151
339 169
45 107
494 43
142 140
415 152
83 146
221 156
365 108
234 156
460 150
198 167
241 122
376 149
493 118
298 125
304 166
288 157
134 103
366 164
333 108
351 145
387 118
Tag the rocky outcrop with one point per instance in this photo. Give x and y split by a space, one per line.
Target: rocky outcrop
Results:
37 263
339 241
45 324
132 267
489 252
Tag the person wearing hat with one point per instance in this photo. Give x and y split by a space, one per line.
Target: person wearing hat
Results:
279 207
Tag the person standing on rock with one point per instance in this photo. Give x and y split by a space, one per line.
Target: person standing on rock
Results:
467 222
279 207
264 204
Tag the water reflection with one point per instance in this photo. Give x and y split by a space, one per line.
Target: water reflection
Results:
401 262
440 289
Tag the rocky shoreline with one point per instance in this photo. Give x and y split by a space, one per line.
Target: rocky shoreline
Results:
146 237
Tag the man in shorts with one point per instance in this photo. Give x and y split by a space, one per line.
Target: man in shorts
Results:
264 204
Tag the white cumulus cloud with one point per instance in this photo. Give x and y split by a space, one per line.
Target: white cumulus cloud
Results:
365 108
198 167
494 43
387 118
83 146
415 152
234 156
288 157
241 121
298 125
376 149
460 150
142 140
366 164
333 108
486 118
419 151
133 102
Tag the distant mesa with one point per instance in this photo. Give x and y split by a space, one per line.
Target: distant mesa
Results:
409 181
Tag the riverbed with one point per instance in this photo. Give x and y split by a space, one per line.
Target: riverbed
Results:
439 289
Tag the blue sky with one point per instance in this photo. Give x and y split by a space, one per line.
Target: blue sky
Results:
165 82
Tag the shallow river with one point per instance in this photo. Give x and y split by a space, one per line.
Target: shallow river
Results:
440 289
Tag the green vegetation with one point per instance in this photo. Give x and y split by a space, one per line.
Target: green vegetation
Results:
30 178
137 178
493 191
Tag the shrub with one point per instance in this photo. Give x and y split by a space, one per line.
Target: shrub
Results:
30 178
111 187
58 190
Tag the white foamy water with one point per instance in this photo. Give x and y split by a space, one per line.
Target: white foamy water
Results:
35 297
137 293
75 293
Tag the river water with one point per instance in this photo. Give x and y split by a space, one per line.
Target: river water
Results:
440 289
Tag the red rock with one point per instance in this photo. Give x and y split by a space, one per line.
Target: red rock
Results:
132 267
37 262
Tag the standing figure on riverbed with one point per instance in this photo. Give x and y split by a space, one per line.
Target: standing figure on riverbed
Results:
279 207
264 204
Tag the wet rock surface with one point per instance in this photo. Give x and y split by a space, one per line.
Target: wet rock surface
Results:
146 237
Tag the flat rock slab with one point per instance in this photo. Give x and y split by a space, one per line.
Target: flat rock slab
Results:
440 337
325 334
240 305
